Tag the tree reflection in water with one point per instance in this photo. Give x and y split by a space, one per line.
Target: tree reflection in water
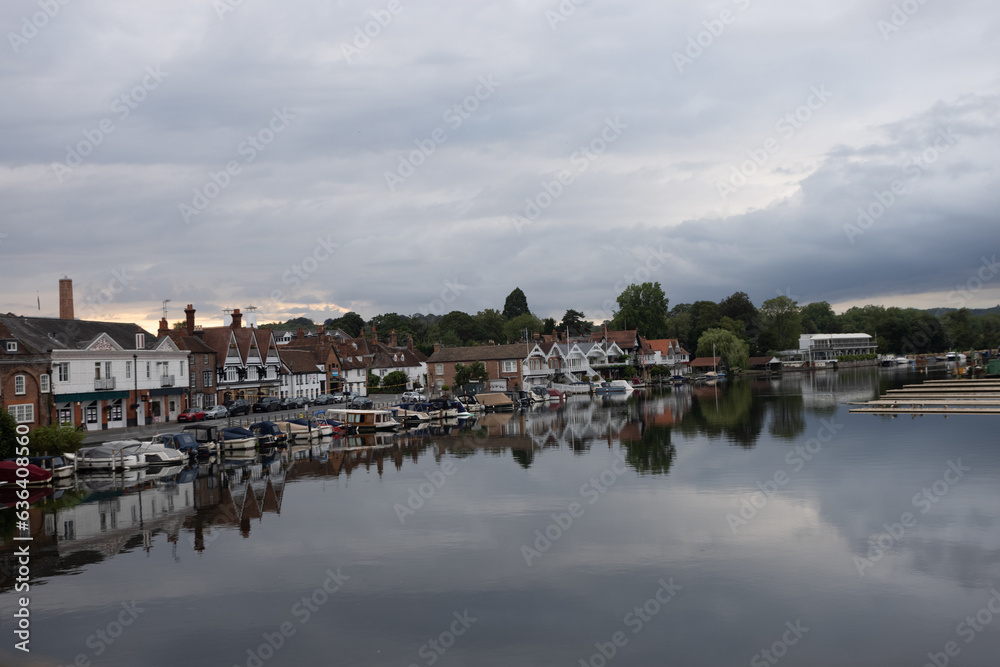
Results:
652 452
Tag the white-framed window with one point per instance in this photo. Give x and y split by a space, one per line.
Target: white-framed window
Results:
509 366
107 369
22 414
128 370
97 370
11 346
140 341
439 369
20 386
206 377
148 369
63 371
44 383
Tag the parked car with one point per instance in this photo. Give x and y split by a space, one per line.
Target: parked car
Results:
191 415
413 396
240 406
294 403
360 403
323 399
217 412
338 397
267 404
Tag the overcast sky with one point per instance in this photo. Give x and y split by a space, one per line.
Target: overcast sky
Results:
200 152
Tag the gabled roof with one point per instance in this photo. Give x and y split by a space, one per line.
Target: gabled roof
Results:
393 357
706 362
663 345
479 353
193 344
300 361
49 333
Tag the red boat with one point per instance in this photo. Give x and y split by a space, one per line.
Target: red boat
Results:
35 476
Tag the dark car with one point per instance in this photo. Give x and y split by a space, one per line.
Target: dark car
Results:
240 406
360 403
267 404
323 399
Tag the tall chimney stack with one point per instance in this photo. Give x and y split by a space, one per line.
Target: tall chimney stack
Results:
164 328
189 312
237 319
65 299
392 339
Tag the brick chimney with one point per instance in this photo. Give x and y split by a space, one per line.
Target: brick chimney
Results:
164 328
409 341
189 313
300 334
65 299
374 335
437 346
392 339
237 319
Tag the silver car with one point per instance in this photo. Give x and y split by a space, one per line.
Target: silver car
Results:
216 412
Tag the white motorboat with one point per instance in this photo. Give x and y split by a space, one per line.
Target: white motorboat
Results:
109 456
154 452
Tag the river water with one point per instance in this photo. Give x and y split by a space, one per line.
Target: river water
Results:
756 522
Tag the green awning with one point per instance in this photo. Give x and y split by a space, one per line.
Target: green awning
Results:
90 396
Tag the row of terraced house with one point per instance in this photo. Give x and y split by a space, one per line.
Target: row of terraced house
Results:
552 359
103 375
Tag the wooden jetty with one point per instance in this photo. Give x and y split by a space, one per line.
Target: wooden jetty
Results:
938 397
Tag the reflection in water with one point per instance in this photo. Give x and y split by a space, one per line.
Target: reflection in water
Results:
652 453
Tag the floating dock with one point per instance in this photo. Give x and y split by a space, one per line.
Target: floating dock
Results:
938 397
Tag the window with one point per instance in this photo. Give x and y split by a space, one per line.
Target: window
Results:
191 380
22 414
97 370
116 411
140 341
63 372
148 364
163 368
91 414
107 369
19 385
509 366
206 377
65 416
205 360
128 370
11 346
439 369
44 383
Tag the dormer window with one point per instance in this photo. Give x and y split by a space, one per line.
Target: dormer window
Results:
140 341
11 346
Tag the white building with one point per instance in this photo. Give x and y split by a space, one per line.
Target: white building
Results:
827 347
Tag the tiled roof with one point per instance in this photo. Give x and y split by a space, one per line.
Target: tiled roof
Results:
480 353
300 361
706 362
49 333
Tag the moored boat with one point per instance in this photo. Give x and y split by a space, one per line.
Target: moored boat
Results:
109 456
237 437
363 420
34 475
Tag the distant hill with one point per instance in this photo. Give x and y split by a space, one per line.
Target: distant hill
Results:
938 312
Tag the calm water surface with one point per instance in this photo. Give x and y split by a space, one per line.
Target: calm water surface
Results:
699 526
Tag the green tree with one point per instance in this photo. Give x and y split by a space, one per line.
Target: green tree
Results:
548 326
644 308
463 375
8 434
350 323
466 327
781 322
479 372
395 382
739 307
515 305
962 327
491 323
734 351
55 439
373 383
818 317
573 322
704 316
514 329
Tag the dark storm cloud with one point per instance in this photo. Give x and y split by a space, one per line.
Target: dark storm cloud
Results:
414 153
